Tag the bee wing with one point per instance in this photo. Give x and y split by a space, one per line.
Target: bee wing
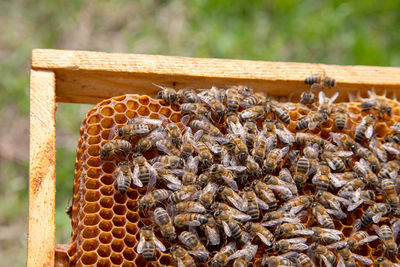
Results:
180 263
337 138
391 150
374 146
312 125
140 246
369 132
159 244
246 114
356 226
393 174
378 231
153 176
336 181
302 232
238 202
285 137
337 213
232 183
322 98
297 240
334 204
171 210
212 235
285 191
193 223
210 188
262 204
355 205
227 230
270 142
331 236
281 220
161 147
368 239
248 252
333 98
264 239
145 120
174 182
395 229
185 120
238 215
331 164
325 260
377 217
363 259
236 128
315 177
199 253
336 245
237 168
296 209
283 153
343 153
135 177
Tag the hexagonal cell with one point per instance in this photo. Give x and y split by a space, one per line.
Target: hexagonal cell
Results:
131 114
106 226
166 260
106 214
94 140
108 167
118 220
133 217
120 107
140 261
106 202
92 184
129 254
131 228
91 207
119 209
89 258
92 195
93 119
116 258
90 232
165 111
154 107
91 219
94 150
107 123
90 244
120 199
72 250
107 190
93 172
105 238
118 232
132 194
104 250
131 104
175 117
120 118
108 134
130 240
103 263
93 162
93 129
107 179
107 111
143 111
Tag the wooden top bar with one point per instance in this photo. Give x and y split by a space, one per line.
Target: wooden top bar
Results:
88 77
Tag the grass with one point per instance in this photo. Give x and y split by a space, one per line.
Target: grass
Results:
335 32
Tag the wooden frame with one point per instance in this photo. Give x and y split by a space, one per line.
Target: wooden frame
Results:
89 77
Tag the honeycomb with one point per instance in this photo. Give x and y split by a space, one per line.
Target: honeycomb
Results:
106 224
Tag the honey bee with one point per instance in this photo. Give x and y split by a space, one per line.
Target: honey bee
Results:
363 169
253 100
189 176
240 151
206 126
322 178
211 231
284 134
361 196
189 206
381 107
148 243
292 229
322 254
166 146
193 110
162 219
325 103
204 154
221 258
302 171
384 262
169 161
263 191
232 99
182 257
256 229
293 244
347 258
150 199
322 216
312 120
388 237
378 149
207 195
183 194
303 260
115 146
192 242
321 80
172 181
231 226
273 218
216 106
334 161
365 129
244 256
187 96
389 170
340 118
253 203
244 91
190 219
276 261
253 113
174 133
143 172
297 204
283 189
325 235
124 176
147 142
167 94
253 169
358 239
286 176
352 186
138 127
278 111
330 200
231 196
372 214
388 186
273 158
261 146
307 97
222 173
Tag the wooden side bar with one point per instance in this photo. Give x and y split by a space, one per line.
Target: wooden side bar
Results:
42 169
88 77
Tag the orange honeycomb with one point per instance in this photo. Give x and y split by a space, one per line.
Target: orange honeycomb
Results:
106 224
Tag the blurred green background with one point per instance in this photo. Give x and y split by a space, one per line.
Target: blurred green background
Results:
336 32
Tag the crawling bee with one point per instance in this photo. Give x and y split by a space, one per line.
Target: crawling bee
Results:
253 203
322 178
256 229
115 146
189 206
221 258
124 176
307 97
253 100
207 195
292 229
372 214
321 80
322 216
381 107
334 161
388 237
359 197
187 96
312 120
193 110
283 189
273 218
358 239
190 219
362 168
167 94
192 242
147 142
261 146
365 129
322 254
253 113
346 257
206 126
138 127
150 199
182 257
293 244
325 235
391 197
352 186
297 204
225 174
330 200
232 99
244 256
163 220
277 261
143 172
273 158
148 243
341 116
253 168
211 231
214 102
278 111
183 194
302 171
244 91
231 196
174 133
170 161
231 226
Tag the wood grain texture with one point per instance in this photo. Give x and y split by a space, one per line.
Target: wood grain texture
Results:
42 164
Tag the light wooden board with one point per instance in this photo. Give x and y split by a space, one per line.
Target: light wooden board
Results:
42 169
88 77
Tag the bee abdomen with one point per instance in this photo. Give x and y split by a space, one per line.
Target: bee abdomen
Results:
302 124
340 121
236 231
148 251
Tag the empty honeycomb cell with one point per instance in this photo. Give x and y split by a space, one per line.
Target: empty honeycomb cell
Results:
105 226
120 118
143 111
106 214
144 100
129 254
93 119
166 260
106 202
117 245
93 129
116 258
108 167
118 232
119 198
131 228
107 134
165 111
132 194
92 184
120 107
107 111
90 232
92 195
104 250
131 114
91 207
91 219
140 261
107 190
175 117
381 129
154 107
130 240
119 220
107 123
133 217
107 179
153 116
93 172
132 104
347 231
93 150
146 221
105 238
119 209
90 244
103 263
93 162
89 258
94 140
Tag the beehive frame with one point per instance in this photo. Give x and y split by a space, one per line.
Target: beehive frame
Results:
89 77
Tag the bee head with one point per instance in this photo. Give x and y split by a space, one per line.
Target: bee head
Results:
319 194
314 204
247 189
267 178
381 259
147 228
254 183
120 132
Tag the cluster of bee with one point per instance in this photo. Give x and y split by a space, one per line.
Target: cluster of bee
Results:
234 182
